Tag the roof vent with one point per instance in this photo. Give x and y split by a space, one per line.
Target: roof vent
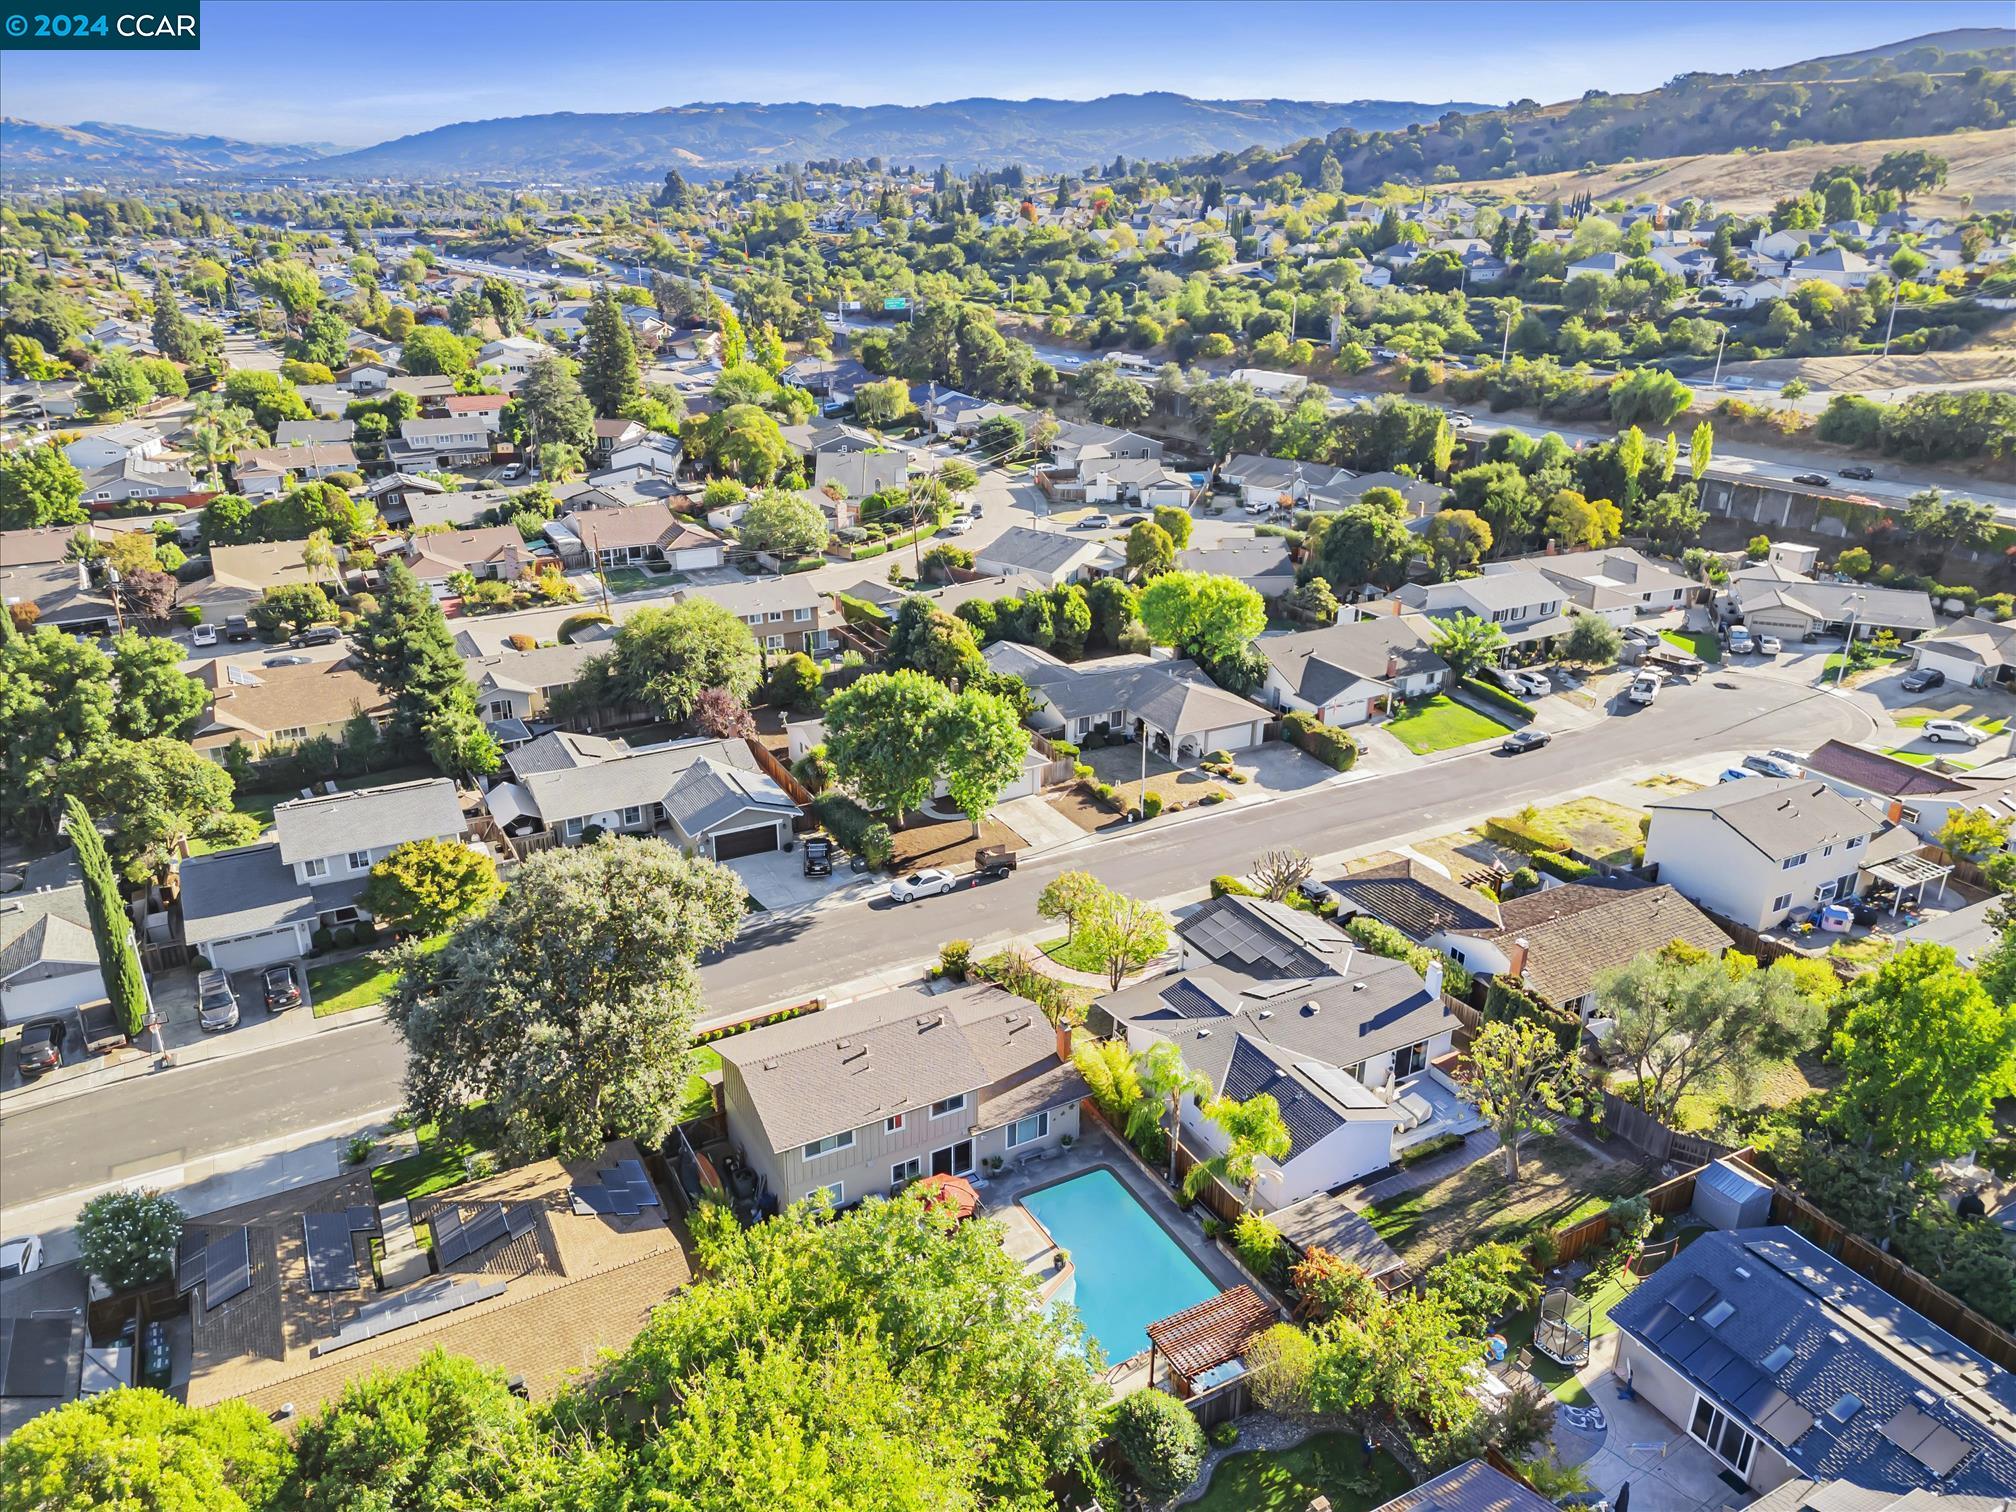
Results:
1203 1034
1265 1013
1778 1358
843 1044
1357 986
1846 1408
1742 1274
1311 1008
770 1065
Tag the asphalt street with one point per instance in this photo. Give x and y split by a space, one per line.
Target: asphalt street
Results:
142 1127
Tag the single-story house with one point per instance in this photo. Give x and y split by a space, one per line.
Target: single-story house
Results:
1920 798
289 433
1146 481
704 793
860 473
1052 557
634 534
1771 600
1172 705
264 473
264 564
1274 480
489 551
1347 673
1344 491
1266 564
266 708
35 569
867 1097
48 958
1975 651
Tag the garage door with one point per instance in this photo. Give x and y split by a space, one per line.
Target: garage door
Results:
267 949
747 842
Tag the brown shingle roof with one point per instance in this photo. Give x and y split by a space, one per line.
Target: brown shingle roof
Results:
1874 772
281 698
1570 939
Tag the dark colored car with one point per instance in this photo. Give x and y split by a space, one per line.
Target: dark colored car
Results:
818 852
1524 740
1921 678
239 628
1859 473
316 635
1816 480
283 989
39 1049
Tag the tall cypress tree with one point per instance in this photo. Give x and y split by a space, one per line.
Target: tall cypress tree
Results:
111 929
609 366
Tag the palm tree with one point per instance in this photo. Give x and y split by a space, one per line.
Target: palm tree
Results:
1253 1128
1164 1082
319 554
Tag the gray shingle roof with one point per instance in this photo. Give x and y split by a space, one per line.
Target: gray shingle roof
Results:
242 891
1040 551
1471 1487
1805 1331
632 778
1320 664
49 929
710 793
1262 557
1263 939
367 819
1782 817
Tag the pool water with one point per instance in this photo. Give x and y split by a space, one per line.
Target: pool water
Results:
1130 1273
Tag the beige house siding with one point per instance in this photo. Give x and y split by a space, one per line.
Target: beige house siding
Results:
1673 1396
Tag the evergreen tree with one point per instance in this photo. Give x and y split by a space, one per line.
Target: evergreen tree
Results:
111 930
404 646
609 366
174 335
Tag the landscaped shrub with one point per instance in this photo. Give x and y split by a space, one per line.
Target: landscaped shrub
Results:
954 957
1382 939
1507 1001
128 1239
1259 1244
1492 693
1998 606
1214 796
1231 887
1081 771
878 846
845 820
1151 805
1521 882
1526 832
1331 746
1567 868
1429 1148
1064 750
1330 1285
1161 1441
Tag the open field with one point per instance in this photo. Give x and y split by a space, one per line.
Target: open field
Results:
1751 182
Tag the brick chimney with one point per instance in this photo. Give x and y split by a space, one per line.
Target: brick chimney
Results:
1064 1043
1518 957
1392 666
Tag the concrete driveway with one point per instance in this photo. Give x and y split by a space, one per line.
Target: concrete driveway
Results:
1279 769
777 881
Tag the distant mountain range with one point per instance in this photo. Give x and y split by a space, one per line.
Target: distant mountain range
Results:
32 149
705 140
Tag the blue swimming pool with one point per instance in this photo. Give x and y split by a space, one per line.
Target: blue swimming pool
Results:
1130 1273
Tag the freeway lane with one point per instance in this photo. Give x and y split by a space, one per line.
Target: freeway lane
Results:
137 1127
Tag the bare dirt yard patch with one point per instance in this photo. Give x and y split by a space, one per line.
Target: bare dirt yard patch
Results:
929 841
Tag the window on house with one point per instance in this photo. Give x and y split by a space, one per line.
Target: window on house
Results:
318 867
904 1172
776 615
953 1159
360 860
948 1106
1825 891
801 615
837 1190
893 1124
633 815
841 1141
571 827
1024 1130
773 642
1826 850
1791 861
1908 815
1725 1438
1782 902
292 732
1856 842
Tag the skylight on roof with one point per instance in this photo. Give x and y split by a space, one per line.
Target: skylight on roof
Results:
1717 1315
1846 1408
1778 1358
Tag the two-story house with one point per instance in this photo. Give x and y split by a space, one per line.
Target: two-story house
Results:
1615 584
862 1099
1348 673
612 436
258 905
454 441
1753 851
269 708
109 445
513 355
785 614
520 684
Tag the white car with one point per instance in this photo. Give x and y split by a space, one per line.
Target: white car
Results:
203 635
1533 684
20 1256
958 524
1770 645
935 882
1644 688
1095 522
1943 730
512 470
1259 506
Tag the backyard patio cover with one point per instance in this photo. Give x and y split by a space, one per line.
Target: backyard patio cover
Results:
1909 871
1210 1334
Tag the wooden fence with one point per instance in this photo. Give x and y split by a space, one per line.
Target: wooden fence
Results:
1673 1196
1655 1140
1222 1202
1908 1286
779 773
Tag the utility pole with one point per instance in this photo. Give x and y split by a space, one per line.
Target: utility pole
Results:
1716 381
1505 346
1847 645
1896 291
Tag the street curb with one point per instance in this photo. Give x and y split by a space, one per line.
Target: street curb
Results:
24 1099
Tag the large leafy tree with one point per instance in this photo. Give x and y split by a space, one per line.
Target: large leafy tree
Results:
140 1448
1366 543
111 929
127 1238
889 1359
39 486
665 658
57 704
783 523
404 646
1925 1053
1523 1082
552 409
1150 552
1682 1021
568 1006
927 639
156 697
1408 1353
424 886
1124 934
1207 616
881 742
984 747
609 362
1467 642
157 795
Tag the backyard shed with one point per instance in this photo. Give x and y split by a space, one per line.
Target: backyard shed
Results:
1728 1197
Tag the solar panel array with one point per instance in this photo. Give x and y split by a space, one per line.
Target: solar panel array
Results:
417 1304
1226 933
38 1355
332 1258
624 1191
1189 1000
1935 1446
1734 1379
455 1240
228 1271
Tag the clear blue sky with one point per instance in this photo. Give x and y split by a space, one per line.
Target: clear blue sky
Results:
362 71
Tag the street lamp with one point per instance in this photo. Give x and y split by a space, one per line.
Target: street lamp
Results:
1847 645
1721 342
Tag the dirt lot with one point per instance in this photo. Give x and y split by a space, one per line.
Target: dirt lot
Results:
1751 182
929 841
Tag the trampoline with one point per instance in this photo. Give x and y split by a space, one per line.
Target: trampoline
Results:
1560 1334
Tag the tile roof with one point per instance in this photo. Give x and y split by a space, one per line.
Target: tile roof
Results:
1804 1334
1417 900
367 818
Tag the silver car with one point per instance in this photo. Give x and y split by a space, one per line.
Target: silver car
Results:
216 1003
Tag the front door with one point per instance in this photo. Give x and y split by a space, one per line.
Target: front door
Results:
953 1160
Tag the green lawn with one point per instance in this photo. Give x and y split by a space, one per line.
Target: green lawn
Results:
634 579
1440 724
359 983
1077 958
1836 659
1926 758
1985 722
1705 644
698 1098
1288 1480
440 1164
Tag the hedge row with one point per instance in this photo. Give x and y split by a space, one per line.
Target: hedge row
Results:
1327 744
1567 868
1492 693
782 1015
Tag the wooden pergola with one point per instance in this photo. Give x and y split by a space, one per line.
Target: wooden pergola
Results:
1213 1333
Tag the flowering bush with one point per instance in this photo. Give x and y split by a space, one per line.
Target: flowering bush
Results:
128 1239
